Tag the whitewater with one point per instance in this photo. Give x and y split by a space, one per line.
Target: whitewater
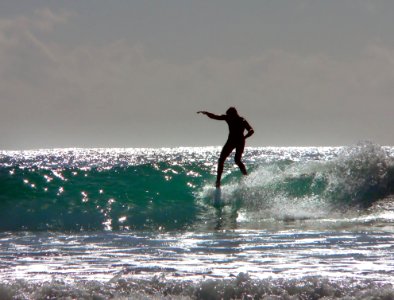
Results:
144 223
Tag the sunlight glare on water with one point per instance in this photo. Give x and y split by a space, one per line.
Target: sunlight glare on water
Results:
305 216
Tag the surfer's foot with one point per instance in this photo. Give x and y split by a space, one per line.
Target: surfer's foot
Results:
217 184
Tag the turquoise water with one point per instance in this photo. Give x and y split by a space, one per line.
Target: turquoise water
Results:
149 223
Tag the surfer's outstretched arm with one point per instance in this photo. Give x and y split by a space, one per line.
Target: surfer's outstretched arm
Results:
212 116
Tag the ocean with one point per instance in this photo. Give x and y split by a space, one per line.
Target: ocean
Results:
306 223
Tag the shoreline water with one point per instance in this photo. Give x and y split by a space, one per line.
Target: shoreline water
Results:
238 287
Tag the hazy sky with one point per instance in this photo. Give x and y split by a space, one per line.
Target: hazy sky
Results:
98 73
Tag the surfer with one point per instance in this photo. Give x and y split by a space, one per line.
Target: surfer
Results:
236 139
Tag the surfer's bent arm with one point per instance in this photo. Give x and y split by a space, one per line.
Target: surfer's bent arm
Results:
250 132
249 129
212 116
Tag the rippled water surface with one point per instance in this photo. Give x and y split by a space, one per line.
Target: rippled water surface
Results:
190 256
85 222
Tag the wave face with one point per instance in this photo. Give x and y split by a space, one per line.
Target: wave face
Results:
171 189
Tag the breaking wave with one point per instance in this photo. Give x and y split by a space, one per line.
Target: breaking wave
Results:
171 189
239 287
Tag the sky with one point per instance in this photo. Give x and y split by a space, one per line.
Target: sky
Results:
98 73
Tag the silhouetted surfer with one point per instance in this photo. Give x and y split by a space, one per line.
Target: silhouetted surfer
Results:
236 139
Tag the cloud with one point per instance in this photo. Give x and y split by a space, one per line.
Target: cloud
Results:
18 38
43 20
115 95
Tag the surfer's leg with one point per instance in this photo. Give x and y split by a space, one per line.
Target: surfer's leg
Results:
227 149
238 156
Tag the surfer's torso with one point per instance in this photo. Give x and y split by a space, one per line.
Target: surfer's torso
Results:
237 127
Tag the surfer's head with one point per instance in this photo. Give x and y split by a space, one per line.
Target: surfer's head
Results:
232 112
